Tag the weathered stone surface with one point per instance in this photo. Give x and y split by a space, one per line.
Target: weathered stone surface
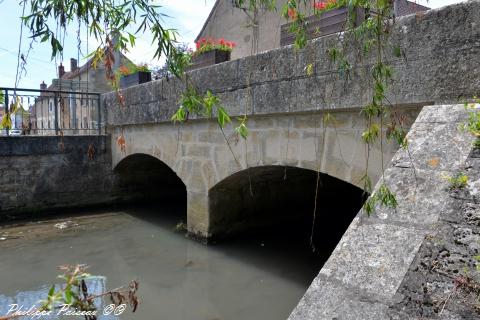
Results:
44 173
369 265
403 263
440 47
333 301
198 153
442 282
365 257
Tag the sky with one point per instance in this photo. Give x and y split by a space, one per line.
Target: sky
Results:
187 16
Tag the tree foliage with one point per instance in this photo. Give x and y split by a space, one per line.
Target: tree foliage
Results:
107 21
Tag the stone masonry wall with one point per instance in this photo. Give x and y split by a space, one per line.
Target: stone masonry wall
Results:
46 173
403 263
198 154
440 50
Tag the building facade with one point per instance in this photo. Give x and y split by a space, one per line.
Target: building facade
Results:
75 108
260 31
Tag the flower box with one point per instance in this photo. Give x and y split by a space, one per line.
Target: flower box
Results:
209 58
328 22
135 78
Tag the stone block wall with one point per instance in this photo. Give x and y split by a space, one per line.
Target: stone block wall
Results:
440 50
46 173
198 153
403 263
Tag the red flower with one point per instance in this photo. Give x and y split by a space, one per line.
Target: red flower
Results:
320 5
208 44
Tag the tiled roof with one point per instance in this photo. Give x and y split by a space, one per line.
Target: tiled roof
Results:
405 7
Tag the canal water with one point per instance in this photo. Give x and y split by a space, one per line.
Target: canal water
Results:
258 276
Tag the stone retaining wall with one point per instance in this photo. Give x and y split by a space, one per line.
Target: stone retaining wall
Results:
45 173
378 270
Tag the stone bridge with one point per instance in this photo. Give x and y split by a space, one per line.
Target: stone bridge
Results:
380 267
285 106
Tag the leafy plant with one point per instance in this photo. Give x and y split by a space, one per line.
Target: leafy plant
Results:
131 68
477 258
322 6
73 294
383 196
473 122
457 182
397 134
205 45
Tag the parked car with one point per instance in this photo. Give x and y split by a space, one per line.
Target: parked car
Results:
11 132
15 132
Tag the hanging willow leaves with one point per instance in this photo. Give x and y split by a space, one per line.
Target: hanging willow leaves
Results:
222 117
242 129
104 19
6 121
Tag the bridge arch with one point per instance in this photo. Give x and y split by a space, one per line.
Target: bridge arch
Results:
270 195
143 177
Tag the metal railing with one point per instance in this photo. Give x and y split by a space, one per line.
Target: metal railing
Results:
51 112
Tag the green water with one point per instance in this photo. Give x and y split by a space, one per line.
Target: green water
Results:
254 277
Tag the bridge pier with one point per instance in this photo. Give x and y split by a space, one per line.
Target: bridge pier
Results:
198 216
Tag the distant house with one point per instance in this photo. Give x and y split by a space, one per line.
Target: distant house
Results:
262 32
76 111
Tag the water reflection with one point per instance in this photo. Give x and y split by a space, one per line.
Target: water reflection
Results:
25 301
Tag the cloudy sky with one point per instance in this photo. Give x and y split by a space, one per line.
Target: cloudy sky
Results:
187 16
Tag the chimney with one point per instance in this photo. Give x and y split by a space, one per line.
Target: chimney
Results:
116 53
73 64
61 71
43 86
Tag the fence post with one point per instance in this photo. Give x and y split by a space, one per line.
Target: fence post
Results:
6 110
99 123
56 112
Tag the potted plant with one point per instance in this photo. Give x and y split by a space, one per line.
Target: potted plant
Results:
133 74
210 51
330 16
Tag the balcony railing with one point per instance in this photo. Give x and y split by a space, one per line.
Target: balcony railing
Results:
50 112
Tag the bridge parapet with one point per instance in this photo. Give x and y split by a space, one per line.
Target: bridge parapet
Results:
440 50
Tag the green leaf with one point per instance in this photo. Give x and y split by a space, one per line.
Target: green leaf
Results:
132 39
371 134
386 197
68 295
6 121
209 101
309 69
242 130
180 115
369 205
222 117
51 292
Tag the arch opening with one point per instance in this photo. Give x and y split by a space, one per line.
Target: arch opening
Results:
280 200
142 179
